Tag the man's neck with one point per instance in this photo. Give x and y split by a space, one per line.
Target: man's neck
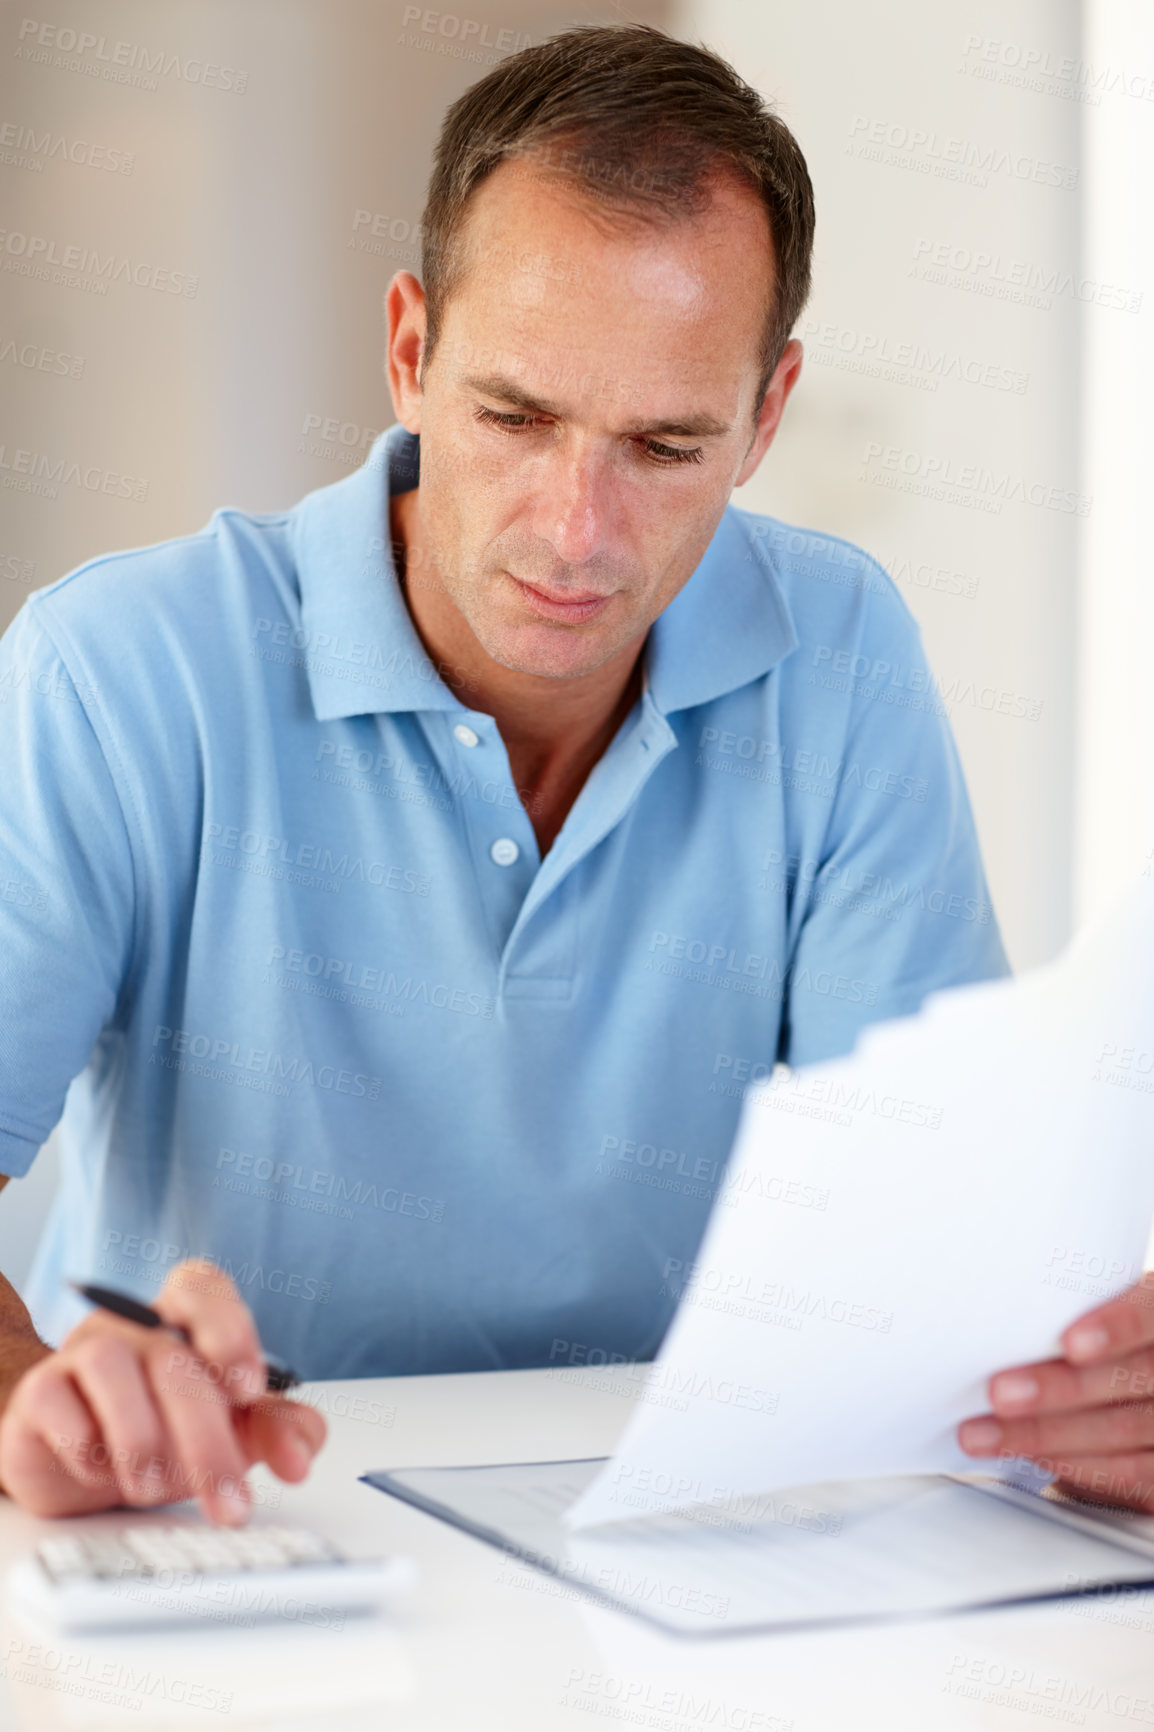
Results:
554 730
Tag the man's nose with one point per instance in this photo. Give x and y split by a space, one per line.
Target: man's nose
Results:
575 505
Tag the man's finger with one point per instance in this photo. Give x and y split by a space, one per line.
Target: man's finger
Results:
1124 1429
285 1434
54 1417
1114 1329
201 1299
208 1457
108 1373
1055 1386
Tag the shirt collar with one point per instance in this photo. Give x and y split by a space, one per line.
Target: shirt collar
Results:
729 624
361 648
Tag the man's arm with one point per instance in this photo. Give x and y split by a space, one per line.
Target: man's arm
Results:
20 1346
892 903
118 1413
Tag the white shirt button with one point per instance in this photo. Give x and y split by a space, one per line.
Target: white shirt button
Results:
504 851
465 734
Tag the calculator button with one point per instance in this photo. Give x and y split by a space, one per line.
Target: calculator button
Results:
63 1557
255 1553
209 1554
104 1557
305 1548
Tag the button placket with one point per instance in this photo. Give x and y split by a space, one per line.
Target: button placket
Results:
614 784
500 836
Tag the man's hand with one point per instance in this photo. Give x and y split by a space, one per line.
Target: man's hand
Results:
1087 1418
120 1414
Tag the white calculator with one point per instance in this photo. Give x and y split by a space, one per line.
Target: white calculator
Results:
153 1573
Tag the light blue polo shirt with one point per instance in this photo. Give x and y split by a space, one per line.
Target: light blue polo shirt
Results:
267 894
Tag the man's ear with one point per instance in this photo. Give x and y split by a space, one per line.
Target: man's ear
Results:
785 377
405 313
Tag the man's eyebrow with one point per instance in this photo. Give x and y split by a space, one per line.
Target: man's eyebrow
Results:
689 427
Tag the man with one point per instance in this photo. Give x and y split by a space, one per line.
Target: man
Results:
410 903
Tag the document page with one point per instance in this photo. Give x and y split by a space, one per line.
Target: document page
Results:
900 1224
833 1553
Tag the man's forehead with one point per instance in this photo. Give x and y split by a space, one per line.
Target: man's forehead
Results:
551 220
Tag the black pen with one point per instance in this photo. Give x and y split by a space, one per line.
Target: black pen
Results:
124 1305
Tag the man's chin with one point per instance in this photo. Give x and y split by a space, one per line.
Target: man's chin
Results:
549 653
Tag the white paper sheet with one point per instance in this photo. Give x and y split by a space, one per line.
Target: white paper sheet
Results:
902 1223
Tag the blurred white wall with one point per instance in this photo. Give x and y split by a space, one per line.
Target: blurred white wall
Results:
1114 821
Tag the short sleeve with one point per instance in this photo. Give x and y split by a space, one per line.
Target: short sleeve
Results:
66 887
898 906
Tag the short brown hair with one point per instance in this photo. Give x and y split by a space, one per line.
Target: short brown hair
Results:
638 122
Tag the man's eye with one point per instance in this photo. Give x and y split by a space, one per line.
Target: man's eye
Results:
511 423
673 453
653 448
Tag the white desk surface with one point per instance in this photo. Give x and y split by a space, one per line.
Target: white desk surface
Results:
483 1643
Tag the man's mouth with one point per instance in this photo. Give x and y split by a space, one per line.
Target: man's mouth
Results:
574 606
